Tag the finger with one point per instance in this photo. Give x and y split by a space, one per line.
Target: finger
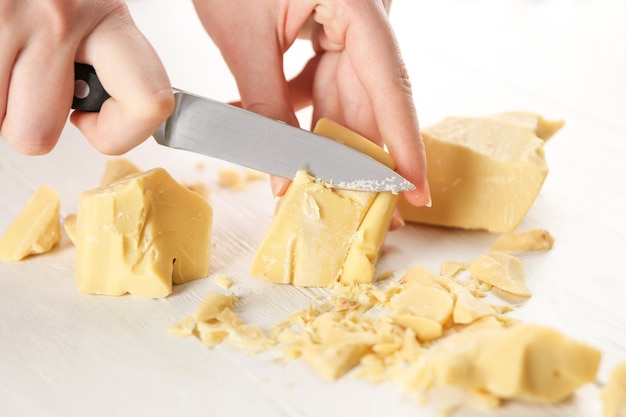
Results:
39 94
279 185
301 86
375 56
132 73
387 84
325 93
9 41
355 103
255 58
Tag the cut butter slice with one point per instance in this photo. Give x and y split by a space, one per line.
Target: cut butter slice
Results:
319 235
484 173
139 235
36 229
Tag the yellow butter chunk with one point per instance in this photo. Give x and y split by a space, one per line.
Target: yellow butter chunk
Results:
230 178
484 173
116 169
69 225
141 234
468 308
223 281
614 393
528 240
332 361
527 362
213 305
215 322
321 235
501 270
36 229
425 329
423 301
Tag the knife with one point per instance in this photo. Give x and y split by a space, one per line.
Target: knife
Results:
226 132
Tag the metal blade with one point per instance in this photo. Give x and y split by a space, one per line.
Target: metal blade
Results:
245 138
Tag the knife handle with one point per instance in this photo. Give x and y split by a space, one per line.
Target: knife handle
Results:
89 94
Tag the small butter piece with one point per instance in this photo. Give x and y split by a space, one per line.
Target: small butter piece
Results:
452 268
230 178
254 175
614 393
116 169
141 234
214 322
501 270
332 361
69 225
319 235
526 241
527 362
484 173
213 305
36 229
424 301
223 281
425 329
468 308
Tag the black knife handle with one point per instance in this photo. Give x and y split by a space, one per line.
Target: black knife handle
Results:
89 94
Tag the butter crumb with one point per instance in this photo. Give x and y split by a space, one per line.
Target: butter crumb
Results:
529 240
69 225
252 175
36 229
230 178
223 281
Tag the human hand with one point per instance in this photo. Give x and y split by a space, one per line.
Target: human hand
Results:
357 77
41 40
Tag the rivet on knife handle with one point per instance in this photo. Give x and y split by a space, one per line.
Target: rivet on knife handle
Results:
89 94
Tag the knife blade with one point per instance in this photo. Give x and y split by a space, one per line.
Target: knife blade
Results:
226 132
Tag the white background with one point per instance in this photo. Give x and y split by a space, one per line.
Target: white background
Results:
63 353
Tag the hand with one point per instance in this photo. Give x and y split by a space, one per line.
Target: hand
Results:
41 40
357 77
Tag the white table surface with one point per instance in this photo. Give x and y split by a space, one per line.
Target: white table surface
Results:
63 353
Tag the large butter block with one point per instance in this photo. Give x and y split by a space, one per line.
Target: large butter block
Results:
36 229
140 234
484 173
319 235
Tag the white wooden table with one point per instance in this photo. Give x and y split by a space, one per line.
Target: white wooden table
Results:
63 353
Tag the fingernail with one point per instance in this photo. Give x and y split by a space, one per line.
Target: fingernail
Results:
429 202
278 185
